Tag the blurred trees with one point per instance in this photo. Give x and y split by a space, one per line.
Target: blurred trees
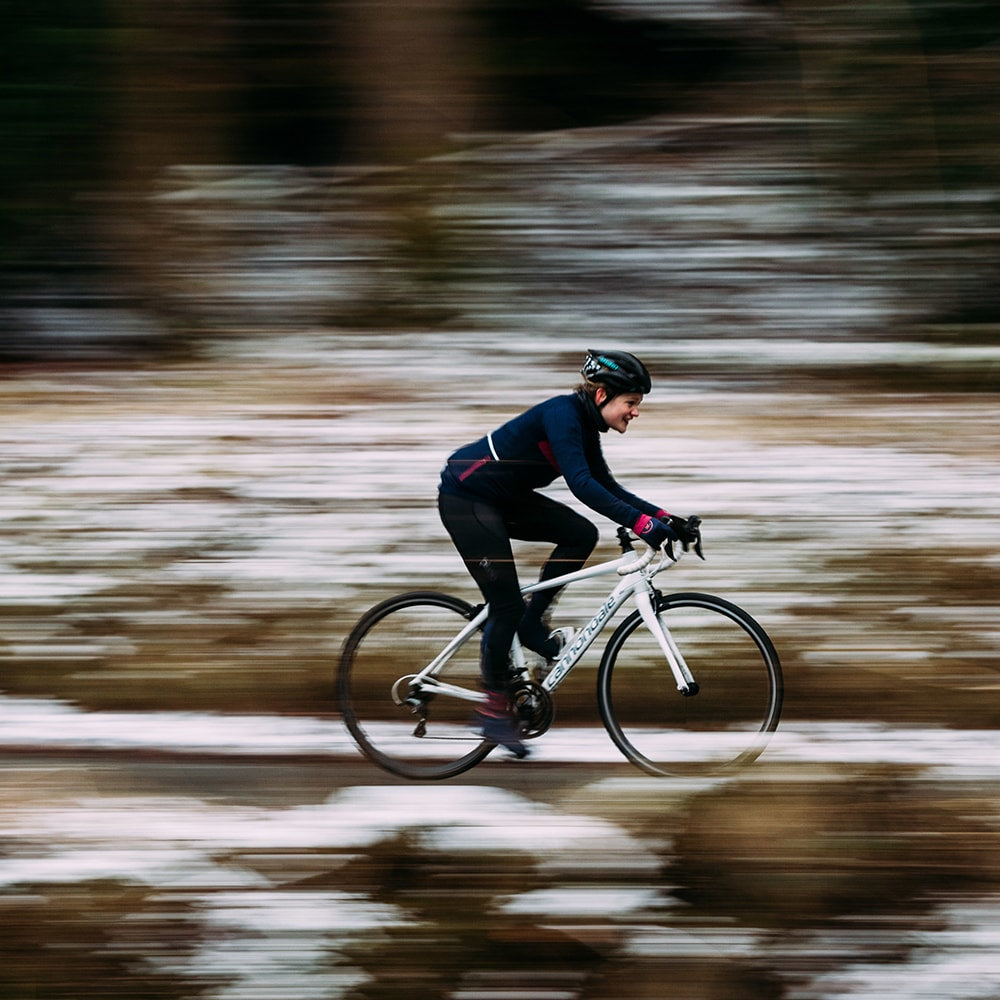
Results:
54 125
902 92
98 98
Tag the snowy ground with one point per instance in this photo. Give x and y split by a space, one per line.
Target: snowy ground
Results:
43 724
260 930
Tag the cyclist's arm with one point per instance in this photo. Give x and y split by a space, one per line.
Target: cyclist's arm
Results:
600 492
601 472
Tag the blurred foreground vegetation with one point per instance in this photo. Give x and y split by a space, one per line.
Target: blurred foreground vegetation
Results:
789 881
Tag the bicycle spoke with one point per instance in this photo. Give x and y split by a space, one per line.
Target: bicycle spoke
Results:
412 731
729 720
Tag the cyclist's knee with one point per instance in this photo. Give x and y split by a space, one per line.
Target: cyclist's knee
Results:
589 535
581 541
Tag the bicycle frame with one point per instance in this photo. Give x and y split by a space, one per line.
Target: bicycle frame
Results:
636 583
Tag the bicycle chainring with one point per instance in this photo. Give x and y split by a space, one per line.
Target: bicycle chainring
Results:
533 708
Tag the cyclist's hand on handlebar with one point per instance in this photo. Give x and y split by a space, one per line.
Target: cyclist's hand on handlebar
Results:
653 531
688 532
686 528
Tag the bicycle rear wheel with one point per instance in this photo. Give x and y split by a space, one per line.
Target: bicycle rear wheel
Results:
740 688
434 737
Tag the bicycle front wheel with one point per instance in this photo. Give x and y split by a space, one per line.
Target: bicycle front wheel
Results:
415 734
728 721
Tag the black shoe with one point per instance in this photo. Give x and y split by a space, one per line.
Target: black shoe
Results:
501 732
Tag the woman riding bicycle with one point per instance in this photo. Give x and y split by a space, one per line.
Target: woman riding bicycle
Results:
488 495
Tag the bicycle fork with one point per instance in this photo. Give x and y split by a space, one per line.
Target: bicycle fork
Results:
686 684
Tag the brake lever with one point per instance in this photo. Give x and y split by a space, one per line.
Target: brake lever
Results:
694 526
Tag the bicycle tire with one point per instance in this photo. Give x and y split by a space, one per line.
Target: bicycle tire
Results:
391 641
725 725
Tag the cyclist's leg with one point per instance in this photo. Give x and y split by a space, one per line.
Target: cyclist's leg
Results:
480 534
481 537
547 520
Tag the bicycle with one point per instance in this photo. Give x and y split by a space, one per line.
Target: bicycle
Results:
408 679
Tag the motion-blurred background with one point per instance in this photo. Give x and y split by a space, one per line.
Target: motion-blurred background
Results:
264 264
174 172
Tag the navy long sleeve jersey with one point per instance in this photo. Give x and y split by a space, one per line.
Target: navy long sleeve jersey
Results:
559 437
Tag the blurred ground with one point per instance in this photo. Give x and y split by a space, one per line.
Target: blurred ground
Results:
204 536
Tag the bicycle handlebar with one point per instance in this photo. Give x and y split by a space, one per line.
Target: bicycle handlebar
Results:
638 564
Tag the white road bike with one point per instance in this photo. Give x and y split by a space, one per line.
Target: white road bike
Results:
688 683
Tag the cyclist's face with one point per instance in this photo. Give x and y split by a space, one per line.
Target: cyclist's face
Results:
619 411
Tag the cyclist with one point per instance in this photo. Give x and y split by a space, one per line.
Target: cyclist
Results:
488 495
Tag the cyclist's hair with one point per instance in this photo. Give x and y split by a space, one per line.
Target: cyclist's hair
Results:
590 388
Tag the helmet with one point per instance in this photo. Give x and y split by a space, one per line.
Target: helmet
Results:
617 371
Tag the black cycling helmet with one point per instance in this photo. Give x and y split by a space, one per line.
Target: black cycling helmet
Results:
617 371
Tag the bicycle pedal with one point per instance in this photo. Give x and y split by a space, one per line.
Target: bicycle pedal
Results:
421 729
691 690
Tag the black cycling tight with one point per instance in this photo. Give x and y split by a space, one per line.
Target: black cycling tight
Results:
482 533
